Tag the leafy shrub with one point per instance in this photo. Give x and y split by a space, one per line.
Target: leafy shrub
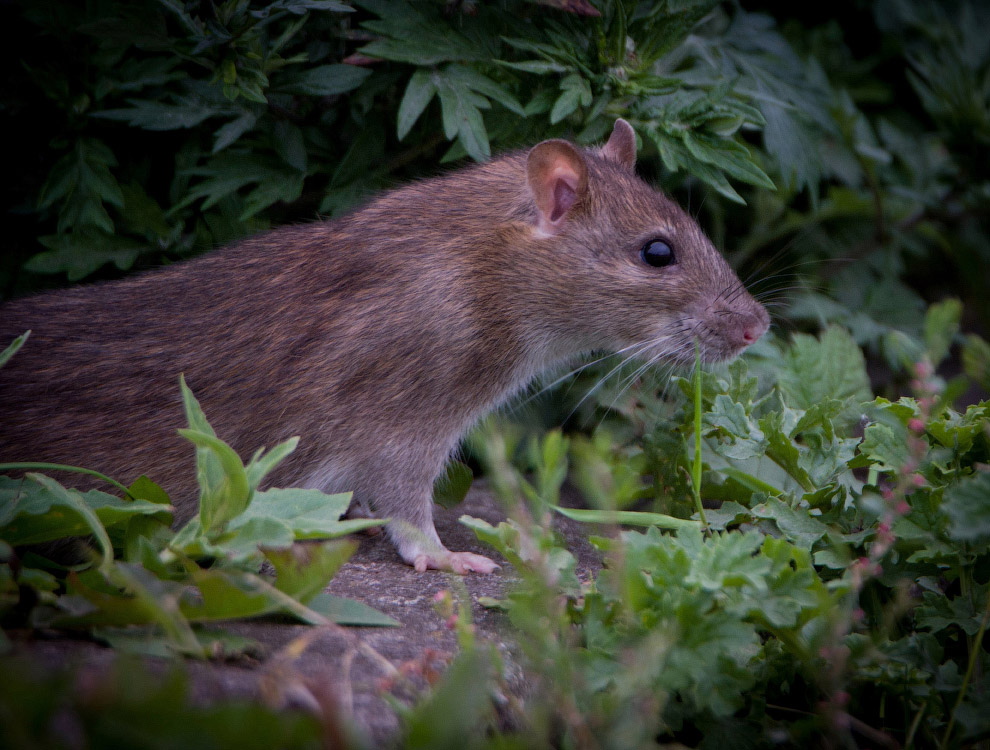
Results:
152 590
838 588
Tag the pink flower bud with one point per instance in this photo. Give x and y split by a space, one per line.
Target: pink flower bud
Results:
916 425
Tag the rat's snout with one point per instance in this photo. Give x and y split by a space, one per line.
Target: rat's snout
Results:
747 327
728 328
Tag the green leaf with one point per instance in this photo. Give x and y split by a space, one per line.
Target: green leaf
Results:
420 35
575 91
262 463
303 570
34 516
451 488
13 347
227 595
885 447
976 360
310 514
79 254
433 724
967 503
419 93
349 612
940 328
290 144
627 517
460 108
224 488
233 130
184 111
830 367
798 525
324 80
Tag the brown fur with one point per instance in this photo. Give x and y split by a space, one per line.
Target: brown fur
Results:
379 338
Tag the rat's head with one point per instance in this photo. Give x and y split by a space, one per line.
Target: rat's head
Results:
638 271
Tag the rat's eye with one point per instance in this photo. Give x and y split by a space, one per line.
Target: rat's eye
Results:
657 253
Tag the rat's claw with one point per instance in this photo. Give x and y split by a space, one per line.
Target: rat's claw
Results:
456 562
468 562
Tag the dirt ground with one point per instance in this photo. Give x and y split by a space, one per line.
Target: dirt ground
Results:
334 661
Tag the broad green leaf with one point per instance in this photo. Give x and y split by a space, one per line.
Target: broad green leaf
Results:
311 514
44 510
976 360
224 487
419 92
349 612
150 640
324 80
830 367
303 570
143 488
80 253
940 328
461 110
885 447
967 503
798 525
290 144
452 487
228 134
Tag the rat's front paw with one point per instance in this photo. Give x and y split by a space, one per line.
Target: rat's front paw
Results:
457 562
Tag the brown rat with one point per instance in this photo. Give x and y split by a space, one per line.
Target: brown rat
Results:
379 338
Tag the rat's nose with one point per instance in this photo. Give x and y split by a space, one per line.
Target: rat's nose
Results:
750 326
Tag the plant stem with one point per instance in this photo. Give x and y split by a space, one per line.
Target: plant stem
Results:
696 467
63 467
973 653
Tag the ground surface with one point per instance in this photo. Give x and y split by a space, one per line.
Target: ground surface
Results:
333 664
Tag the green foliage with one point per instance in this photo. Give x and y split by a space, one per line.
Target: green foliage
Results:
153 590
840 569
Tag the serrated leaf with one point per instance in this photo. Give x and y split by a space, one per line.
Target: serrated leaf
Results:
228 134
976 360
967 503
79 254
796 524
830 367
184 111
324 80
940 328
419 92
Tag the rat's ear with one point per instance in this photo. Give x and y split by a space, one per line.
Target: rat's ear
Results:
621 146
558 177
